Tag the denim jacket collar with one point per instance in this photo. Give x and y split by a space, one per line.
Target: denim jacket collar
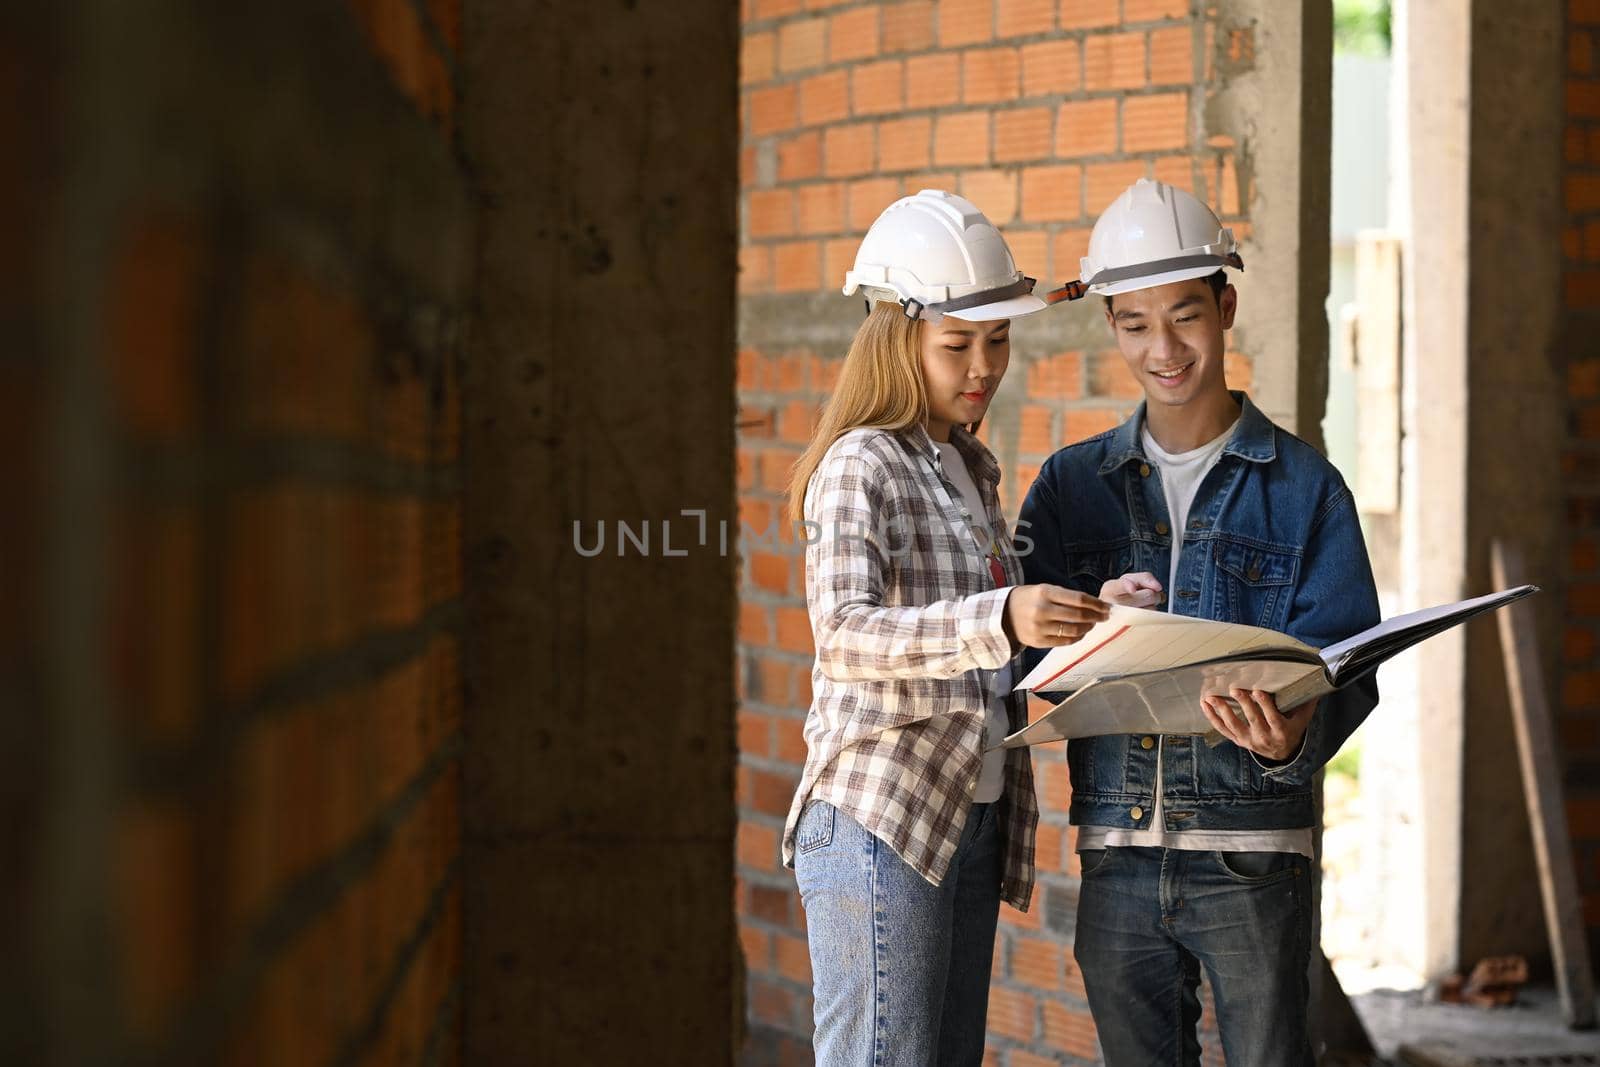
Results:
1253 439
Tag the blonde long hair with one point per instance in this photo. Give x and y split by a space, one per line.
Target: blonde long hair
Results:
880 387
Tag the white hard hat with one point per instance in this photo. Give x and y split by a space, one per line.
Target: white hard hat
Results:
936 254
1152 234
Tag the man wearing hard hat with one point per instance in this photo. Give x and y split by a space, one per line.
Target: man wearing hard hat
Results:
1197 854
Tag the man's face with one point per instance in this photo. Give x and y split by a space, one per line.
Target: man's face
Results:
1171 338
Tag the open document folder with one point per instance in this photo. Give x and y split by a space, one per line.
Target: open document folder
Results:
1145 671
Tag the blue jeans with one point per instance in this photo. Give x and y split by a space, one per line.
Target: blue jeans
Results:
899 967
1150 918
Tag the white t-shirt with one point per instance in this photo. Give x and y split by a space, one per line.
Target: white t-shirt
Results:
1181 475
997 684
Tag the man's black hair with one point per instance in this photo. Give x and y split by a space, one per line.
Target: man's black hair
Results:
1217 280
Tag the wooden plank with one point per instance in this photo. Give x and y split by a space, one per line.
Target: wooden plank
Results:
1541 785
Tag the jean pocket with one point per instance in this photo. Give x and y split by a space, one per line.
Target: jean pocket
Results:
815 828
1260 868
1092 861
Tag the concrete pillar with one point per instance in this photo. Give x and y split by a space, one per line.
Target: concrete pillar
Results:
599 389
1479 460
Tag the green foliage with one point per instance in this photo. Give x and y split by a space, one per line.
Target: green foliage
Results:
1347 762
1362 26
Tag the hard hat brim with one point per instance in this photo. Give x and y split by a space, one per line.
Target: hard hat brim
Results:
1013 308
1130 285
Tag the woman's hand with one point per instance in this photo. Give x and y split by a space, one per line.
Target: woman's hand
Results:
1265 730
1045 616
1133 590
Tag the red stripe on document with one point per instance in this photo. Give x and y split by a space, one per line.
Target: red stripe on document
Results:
1081 658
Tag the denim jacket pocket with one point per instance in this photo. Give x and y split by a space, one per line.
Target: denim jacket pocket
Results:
1089 570
1255 583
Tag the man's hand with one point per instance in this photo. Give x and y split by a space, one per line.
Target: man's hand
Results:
1044 616
1133 590
1265 730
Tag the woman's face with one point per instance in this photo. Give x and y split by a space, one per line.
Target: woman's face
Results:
962 364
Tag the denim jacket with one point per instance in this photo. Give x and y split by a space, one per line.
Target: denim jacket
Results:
1272 540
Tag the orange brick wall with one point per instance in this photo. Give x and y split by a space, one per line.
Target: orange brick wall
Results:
283 598
1040 112
1579 710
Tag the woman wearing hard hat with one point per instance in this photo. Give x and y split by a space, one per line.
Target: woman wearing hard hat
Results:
905 834
1197 856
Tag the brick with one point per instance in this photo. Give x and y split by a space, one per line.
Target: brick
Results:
1054 785
995 193
1022 134
1012 1014
990 75
848 151
1113 61
1057 377
793 958
1154 10
773 110
1031 250
794 630
821 208
775 464
1086 128
838 255
1035 436
756 944
749 175
775 9
772 792
1580 52
1051 193
1172 56
769 571
1051 68
1088 14
1574 145
908 27
800 157
933 81
154 872
757 846
1084 423
1070 1030
904 144
755 269
853 34
1583 378
824 98
1583 99
962 139
788 737
755 624
1154 122
1177 171
1583 555
770 904
1109 376
877 88
1584 11
772 1004
758 57
1582 288
868 198
1036 963
753 733
771 213
1104 182
800 44
1024 18
965 22
797 266
1580 690
153 318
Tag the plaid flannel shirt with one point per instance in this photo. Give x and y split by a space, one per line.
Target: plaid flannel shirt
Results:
904 613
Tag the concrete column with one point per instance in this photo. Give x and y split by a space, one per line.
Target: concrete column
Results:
599 802
1481 292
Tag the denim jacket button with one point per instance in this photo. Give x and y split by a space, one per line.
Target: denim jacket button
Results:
1148 743
1144 470
1162 528
1136 813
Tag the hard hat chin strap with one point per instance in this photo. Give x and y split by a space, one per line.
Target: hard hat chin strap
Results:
916 309
1077 289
